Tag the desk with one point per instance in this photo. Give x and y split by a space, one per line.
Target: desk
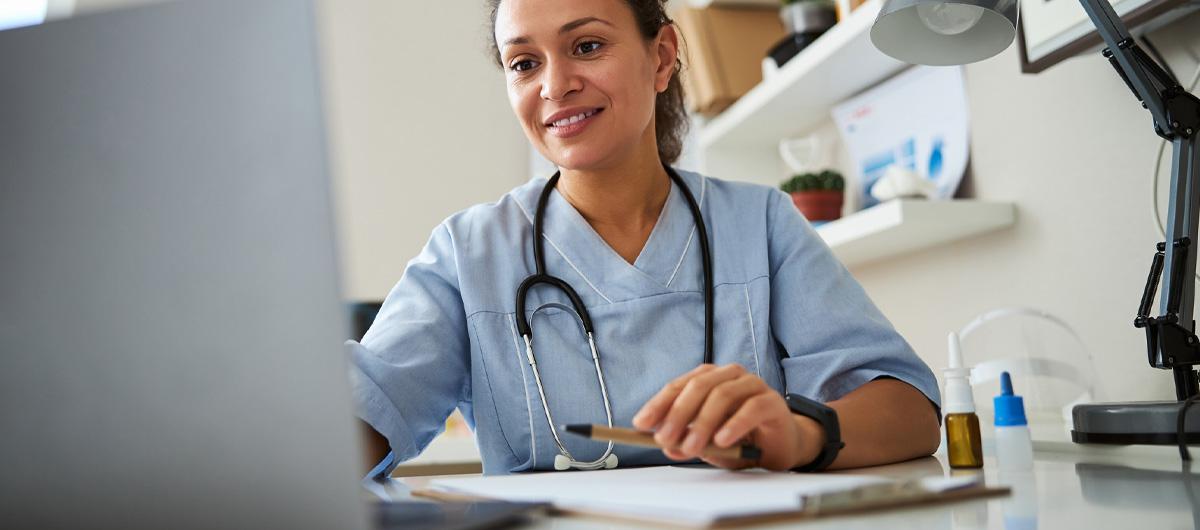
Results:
1065 490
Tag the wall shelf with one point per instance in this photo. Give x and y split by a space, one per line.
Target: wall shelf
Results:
742 142
838 65
901 226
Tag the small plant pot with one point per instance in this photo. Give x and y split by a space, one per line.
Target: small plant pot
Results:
823 205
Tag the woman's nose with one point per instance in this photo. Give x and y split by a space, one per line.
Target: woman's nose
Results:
559 80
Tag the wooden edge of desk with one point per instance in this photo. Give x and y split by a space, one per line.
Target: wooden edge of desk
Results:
439 469
976 492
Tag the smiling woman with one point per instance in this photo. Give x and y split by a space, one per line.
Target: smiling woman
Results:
547 61
677 303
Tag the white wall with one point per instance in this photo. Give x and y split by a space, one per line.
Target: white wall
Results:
419 126
1073 149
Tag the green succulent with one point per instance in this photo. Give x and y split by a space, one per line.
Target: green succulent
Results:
827 180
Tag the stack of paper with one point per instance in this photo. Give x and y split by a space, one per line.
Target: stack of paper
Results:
675 495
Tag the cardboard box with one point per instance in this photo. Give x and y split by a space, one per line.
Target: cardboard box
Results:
724 49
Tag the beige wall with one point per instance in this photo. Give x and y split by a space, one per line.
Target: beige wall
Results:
1073 149
419 126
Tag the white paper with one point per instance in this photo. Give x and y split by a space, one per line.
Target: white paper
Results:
679 495
917 120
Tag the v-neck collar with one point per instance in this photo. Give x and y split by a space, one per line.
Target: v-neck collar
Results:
570 238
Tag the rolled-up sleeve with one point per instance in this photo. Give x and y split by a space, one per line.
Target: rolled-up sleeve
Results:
412 367
834 336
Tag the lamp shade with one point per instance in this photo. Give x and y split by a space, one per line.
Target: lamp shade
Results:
944 32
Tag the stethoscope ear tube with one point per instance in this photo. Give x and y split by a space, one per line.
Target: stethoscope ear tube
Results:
706 257
523 320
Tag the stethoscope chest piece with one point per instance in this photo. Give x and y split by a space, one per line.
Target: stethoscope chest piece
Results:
563 463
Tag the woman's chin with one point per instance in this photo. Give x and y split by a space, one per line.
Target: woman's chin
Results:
578 161
582 158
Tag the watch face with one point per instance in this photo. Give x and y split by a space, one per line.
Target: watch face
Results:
827 417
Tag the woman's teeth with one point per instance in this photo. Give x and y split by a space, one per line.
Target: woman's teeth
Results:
574 119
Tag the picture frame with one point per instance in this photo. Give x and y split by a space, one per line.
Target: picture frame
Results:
1051 31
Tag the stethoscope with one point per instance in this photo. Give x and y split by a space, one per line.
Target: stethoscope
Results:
563 460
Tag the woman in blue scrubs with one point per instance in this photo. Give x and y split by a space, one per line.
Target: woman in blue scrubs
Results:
594 84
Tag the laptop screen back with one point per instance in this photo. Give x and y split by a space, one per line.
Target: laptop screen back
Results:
170 325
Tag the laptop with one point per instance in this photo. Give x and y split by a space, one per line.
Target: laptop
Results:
170 323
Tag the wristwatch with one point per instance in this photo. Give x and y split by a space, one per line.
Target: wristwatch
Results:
828 419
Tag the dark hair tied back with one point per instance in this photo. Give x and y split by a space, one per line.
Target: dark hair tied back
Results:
670 114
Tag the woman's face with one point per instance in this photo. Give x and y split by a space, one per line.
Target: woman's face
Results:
581 78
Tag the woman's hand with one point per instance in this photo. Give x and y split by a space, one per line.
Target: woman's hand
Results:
727 406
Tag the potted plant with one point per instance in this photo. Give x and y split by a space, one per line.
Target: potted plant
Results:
819 196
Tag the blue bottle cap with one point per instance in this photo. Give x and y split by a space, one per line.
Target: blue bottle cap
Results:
1010 409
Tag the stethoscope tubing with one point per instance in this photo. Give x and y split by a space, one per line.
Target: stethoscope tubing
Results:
541 277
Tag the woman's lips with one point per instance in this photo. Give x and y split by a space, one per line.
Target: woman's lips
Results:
574 125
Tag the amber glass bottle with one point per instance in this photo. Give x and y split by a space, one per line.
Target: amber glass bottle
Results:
963 443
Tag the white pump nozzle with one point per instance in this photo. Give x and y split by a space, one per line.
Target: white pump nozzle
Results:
958 397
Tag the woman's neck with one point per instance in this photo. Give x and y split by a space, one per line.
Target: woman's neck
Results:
622 202
619 196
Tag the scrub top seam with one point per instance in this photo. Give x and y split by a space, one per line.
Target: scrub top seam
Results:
512 326
622 301
692 234
492 393
564 256
753 338
612 253
655 233
679 263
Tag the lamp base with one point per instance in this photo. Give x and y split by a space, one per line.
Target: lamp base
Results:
1133 423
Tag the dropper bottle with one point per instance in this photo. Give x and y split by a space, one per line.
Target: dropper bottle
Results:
1014 448
963 442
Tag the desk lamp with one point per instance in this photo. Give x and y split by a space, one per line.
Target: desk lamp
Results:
947 32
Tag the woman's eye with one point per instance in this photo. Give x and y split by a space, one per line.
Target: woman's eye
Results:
585 48
523 65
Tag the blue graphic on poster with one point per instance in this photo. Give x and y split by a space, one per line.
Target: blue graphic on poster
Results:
917 121
872 169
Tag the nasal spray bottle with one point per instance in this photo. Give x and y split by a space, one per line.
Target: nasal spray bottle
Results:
1014 447
962 425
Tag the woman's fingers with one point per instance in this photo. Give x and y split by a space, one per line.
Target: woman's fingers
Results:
721 401
652 413
729 463
747 417
710 405
675 454
689 400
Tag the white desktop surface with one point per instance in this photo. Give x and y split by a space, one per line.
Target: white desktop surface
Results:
1064 490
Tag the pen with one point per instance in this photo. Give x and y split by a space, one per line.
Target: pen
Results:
645 439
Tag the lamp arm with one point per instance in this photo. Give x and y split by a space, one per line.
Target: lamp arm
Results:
1145 77
1171 338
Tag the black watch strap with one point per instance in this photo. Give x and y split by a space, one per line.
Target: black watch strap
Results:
827 418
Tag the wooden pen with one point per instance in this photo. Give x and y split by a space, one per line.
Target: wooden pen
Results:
645 439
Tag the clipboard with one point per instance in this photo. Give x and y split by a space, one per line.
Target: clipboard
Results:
878 495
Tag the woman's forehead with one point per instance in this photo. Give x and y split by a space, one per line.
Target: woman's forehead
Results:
525 20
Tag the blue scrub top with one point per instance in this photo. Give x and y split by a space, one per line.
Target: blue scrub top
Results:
446 337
